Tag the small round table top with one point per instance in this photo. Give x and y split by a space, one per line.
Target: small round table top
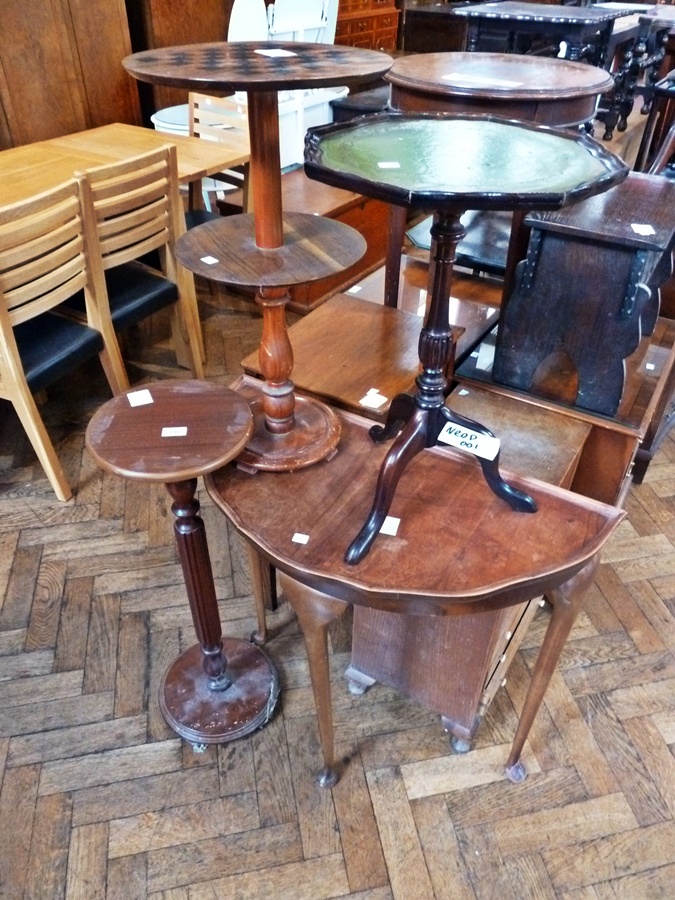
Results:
465 162
314 247
257 65
169 431
497 76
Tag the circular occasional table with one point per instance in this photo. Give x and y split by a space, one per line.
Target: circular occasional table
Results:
540 89
172 432
450 164
546 90
289 432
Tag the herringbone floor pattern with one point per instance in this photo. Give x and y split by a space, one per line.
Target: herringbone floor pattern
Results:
99 799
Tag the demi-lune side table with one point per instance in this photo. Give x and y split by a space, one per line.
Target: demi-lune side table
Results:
457 549
172 432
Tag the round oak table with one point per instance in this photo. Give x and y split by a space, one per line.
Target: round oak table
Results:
172 432
289 432
450 164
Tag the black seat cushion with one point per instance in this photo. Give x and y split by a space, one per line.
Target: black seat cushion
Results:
134 292
194 217
51 346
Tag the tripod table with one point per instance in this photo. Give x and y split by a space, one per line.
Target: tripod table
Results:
449 164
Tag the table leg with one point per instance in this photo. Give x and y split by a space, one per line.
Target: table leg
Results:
392 272
566 601
221 688
289 431
426 413
315 612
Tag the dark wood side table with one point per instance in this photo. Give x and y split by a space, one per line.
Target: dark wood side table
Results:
287 434
532 88
458 551
497 164
172 432
585 29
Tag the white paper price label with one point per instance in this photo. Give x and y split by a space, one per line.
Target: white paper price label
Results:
140 398
174 431
644 230
276 51
390 526
482 445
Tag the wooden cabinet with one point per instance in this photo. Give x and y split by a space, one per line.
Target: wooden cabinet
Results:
166 23
432 27
60 68
372 24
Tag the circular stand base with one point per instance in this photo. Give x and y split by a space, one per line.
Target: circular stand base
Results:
313 437
204 716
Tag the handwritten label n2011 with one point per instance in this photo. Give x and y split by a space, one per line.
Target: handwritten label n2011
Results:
483 445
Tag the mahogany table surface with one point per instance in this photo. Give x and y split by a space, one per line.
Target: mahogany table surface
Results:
37 167
382 355
257 65
314 247
458 546
208 426
497 76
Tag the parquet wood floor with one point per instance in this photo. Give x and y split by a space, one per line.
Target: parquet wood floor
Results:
99 799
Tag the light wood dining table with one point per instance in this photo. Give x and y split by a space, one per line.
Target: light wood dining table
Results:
32 168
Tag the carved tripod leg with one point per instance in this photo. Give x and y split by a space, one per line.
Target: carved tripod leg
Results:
517 500
409 443
400 412
566 601
315 612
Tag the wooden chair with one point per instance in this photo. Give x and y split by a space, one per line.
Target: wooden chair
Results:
132 210
217 119
44 261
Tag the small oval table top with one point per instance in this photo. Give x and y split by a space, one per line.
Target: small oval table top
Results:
498 75
257 65
460 161
314 247
169 431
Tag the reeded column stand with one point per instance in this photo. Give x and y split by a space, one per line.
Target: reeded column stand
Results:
172 431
